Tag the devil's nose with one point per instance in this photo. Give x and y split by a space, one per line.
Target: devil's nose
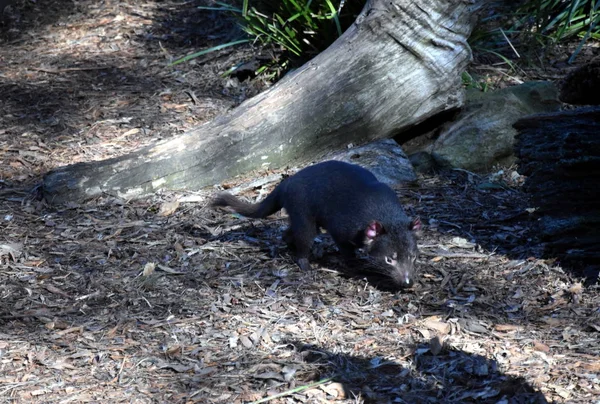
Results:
402 279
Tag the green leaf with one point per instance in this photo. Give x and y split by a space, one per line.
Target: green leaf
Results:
204 52
334 14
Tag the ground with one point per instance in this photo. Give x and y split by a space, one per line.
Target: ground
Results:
164 300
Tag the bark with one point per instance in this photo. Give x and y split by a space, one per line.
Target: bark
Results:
582 85
560 154
397 65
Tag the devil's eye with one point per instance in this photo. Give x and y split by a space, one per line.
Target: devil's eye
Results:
389 261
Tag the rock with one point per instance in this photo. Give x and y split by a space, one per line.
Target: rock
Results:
384 158
482 134
423 162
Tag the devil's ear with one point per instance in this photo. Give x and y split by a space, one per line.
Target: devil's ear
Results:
415 226
373 230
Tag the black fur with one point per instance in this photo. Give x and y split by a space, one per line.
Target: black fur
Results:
347 201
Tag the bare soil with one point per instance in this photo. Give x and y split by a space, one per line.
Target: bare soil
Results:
164 300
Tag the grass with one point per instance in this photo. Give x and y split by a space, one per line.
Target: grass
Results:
536 25
294 30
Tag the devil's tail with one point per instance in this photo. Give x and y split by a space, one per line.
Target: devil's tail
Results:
270 205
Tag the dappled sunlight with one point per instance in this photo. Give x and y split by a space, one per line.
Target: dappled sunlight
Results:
94 82
161 299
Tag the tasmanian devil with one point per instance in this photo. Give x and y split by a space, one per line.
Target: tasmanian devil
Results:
352 205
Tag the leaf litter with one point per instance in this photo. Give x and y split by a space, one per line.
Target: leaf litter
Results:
164 300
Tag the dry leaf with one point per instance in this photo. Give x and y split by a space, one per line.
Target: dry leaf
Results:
55 290
288 373
439 326
169 270
149 269
179 248
69 331
576 288
60 365
538 346
508 327
112 332
233 340
130 132
518 294
246 341
555 322
563 393
177 367
207 371
461 242
425 333
175 349
335 389
168 208
591 366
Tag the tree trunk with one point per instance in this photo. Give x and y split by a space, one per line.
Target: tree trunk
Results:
397 65
560 154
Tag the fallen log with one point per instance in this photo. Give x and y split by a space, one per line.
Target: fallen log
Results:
397 65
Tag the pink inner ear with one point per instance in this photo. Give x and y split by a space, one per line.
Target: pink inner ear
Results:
416 224
373 229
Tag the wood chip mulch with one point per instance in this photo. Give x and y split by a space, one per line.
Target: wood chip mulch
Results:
163 300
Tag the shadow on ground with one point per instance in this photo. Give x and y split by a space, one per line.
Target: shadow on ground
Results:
165 27
450 376
493 216
84 81
199 305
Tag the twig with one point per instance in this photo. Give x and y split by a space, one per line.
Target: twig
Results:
70 69
454 255
509 43
292 391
